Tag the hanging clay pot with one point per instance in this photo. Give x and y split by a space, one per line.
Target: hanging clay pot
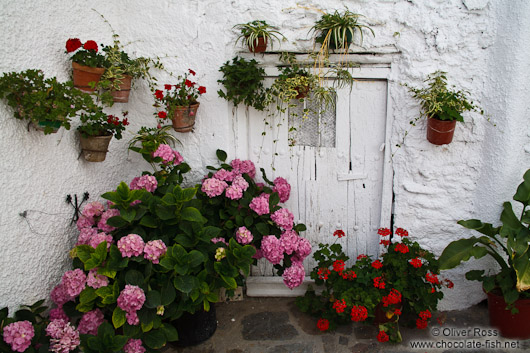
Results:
122 95
95 148
509 325
260 45
184 118
440 132
83 75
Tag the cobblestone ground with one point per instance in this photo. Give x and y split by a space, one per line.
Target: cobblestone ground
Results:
275 325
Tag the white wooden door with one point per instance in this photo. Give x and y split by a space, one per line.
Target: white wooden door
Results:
339 168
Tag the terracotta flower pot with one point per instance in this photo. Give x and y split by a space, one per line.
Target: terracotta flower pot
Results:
260 45
184 118
510 326
83 75
440 132
95 148
122 95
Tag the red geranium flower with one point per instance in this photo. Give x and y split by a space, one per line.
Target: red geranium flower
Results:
168 87
377 264
73 44
449 283
432 278
350 275
383 232
394 297
323 273
385 242
202 90
402 248
402 232
338 266
382 336
91 45
188 83
362 256
323 324
191 72
159 94
424 315
125 122
162 115
339 233
416 263
359 313
379 282
339 306
421 324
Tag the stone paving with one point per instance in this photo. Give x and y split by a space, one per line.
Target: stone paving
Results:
275 325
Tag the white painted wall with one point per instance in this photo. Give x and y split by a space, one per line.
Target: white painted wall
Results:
479 42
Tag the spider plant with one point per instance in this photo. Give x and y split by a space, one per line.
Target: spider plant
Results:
252 31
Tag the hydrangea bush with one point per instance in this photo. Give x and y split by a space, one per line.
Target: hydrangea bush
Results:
401 286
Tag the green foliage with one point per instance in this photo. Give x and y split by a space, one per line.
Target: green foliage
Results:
243 82
508 244
38 99
86 54
251 31
98 123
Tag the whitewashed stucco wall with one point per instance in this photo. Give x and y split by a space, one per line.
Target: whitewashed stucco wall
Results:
479 42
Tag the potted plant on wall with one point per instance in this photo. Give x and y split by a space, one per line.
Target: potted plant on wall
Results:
243 83
443 106
179 102
87 64
256 35
507 290
44 102
96 130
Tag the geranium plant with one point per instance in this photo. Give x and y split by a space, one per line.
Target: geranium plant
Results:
99 123
402 283
86 54
183 94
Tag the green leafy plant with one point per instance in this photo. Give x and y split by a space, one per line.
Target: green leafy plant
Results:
251 31
147 140
85 53
507 244
402 285
98 123
243 82
42 100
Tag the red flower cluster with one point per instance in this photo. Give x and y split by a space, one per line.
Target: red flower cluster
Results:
362 256
350 275
339 306
339 233
377 264
394 297
402 232
432 278
323 324
421 324
385 242
73 44
114 120
323 273
338 266
382 336
448 283
424 315
162 115
359 313
383 232
416 262
402 248
379 282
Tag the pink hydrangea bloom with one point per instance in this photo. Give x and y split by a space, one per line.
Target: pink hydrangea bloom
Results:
147 182
304 249
240 182
213 187
243 235
168 155
93 209
224 175
19 335
74 282
283 218
289 240
133 346
132 318
131 245
90 322
58 313
294 276
241 167
154 249
59 295
85 222
258 254
102 224
233 192
85 234
282 187
272 249
260 204
96 281
217 240
100 238
131 298
64 337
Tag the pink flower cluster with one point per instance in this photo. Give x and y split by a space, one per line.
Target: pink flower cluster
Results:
216 185
130 300
90 322
294 276
133 346
59 295
272 250
282 187
168 155
92 225
244 236
283 218
58 313
131 245
154 249
19 335
64 337
243 167
260 204
96 281
147 182
74 282
213 187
